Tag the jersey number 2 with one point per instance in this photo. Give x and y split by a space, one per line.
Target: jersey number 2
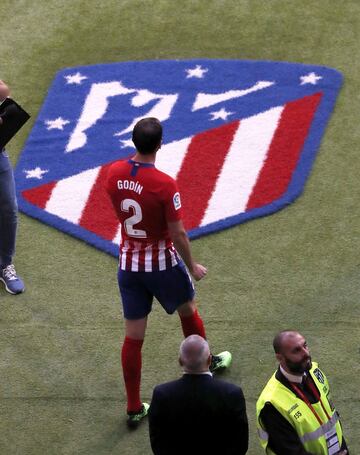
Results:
129 223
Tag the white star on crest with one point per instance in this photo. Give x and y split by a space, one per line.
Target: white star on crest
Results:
198 72
127 143
36 173
310 78
57 124
222 113
76 78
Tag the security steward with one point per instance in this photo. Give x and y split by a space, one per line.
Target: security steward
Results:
295 413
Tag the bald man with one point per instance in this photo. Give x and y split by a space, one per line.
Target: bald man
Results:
295 413
198 414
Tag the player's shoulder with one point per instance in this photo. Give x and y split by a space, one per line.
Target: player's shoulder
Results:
118 164
163 176
116 167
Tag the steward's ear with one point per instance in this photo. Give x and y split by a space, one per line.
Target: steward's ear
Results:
279 357
180 362
209 360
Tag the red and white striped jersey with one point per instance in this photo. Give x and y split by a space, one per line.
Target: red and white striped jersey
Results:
145 200
142 257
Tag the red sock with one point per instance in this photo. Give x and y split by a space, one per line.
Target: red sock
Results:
131 364
192 325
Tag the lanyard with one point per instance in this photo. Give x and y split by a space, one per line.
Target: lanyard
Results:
307 402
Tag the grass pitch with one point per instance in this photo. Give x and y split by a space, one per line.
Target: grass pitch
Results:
61 390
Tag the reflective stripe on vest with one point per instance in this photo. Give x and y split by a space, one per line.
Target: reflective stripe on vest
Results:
263 434
320 431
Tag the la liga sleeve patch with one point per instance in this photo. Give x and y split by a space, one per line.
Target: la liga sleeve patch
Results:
177 201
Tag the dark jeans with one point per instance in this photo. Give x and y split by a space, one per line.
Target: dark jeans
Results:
8 210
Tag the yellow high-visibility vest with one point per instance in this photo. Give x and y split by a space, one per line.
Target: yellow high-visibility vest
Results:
312 433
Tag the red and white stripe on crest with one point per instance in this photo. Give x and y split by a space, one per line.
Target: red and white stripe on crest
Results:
221 172
242 165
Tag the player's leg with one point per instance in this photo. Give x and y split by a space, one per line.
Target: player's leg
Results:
136 302
174 289
131 361
191 322
136 328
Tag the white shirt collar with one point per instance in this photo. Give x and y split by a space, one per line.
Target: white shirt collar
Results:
203 372
291 377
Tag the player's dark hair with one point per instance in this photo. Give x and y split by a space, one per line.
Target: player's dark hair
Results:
147 135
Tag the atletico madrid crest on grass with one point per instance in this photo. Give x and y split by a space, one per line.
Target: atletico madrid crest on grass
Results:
240 138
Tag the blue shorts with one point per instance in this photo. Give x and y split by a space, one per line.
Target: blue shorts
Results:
171 288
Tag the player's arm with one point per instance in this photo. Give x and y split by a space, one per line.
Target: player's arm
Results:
181 242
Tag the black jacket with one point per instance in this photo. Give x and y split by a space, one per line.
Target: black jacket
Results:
198 414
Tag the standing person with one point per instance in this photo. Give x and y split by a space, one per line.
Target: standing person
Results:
8 211
198 414
147 203
295 413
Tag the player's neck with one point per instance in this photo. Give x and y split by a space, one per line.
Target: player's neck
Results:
140 158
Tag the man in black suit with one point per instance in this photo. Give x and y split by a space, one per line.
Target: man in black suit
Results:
198 414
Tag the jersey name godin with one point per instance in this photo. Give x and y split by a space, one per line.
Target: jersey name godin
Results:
129 185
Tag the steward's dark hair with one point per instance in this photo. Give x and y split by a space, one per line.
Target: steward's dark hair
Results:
278 340
147 135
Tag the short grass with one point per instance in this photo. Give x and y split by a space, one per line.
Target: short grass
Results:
61 390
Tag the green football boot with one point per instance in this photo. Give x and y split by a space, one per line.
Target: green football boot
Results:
220 361
134 418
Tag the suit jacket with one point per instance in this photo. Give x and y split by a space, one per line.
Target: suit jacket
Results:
198 414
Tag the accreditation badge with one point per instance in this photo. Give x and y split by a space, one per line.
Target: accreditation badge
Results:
332 442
